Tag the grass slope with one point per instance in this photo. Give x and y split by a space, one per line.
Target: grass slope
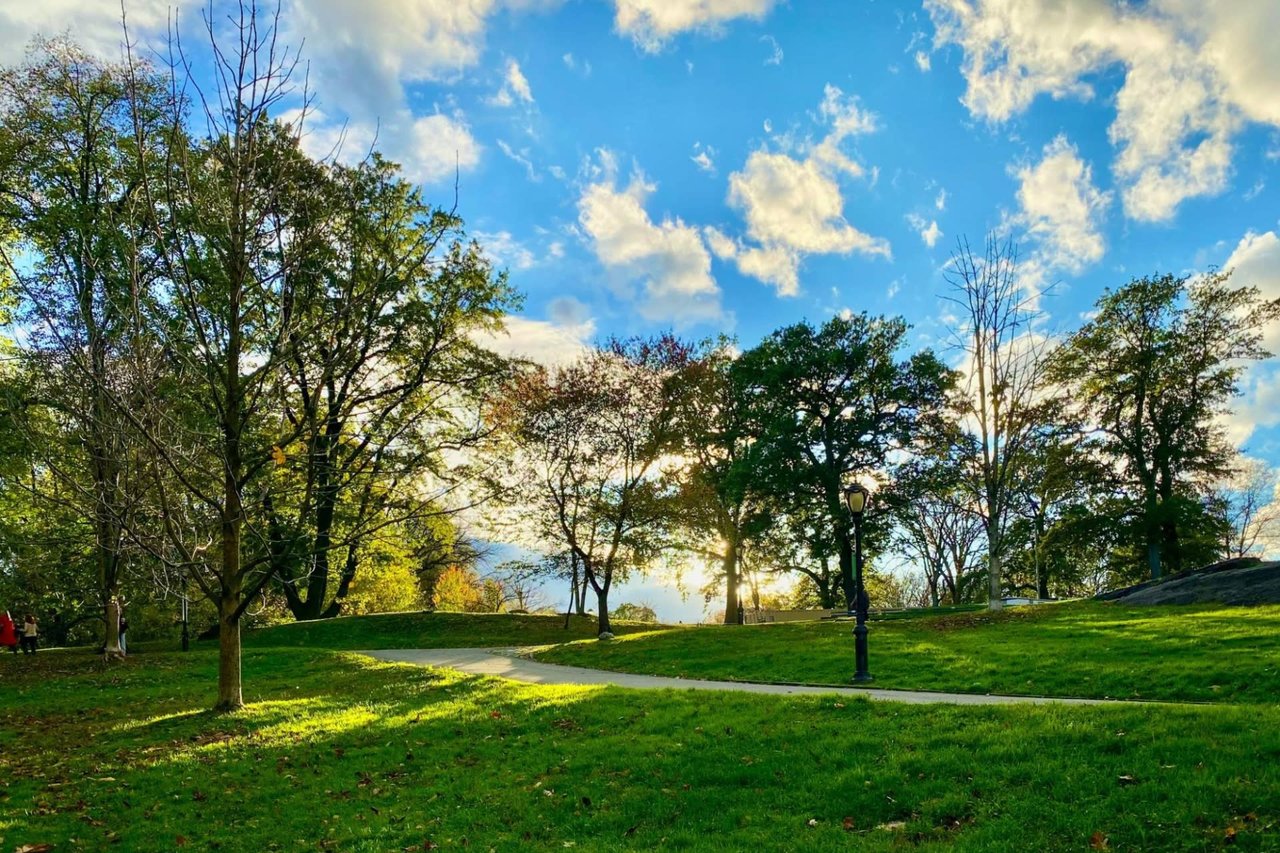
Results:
430 630
1195 653
337 752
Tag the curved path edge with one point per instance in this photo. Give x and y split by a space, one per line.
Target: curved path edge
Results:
503 663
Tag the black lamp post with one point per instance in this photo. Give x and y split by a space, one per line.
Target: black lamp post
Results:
855 498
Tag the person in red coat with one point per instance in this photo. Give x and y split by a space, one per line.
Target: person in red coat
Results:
8 635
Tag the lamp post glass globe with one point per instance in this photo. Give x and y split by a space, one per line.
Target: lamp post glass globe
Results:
855 498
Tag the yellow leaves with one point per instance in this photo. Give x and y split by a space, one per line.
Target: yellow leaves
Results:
278 455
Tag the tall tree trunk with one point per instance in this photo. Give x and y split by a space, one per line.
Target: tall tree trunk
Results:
230 696
846 571
1152 512
1171 548
111 630
602 600
318 580
231 580
995 592
344 583
729 564
579 586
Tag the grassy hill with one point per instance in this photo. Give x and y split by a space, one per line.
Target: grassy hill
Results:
339 752
1187 653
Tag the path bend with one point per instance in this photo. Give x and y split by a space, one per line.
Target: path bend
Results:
504 663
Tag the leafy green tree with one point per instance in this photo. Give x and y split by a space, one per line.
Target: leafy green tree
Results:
393 380
80 254
459 590
830 404
1154 368
718 498
628 612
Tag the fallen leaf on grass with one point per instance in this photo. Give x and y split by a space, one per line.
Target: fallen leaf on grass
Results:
34 848
847 823
893 825
813 821
1098 841
1229 837
1126 779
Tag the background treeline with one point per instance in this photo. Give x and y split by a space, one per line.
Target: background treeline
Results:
254 379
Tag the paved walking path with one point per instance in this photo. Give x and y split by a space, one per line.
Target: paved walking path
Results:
504 664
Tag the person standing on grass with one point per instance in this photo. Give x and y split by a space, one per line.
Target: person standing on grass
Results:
8 633
30 635
124 627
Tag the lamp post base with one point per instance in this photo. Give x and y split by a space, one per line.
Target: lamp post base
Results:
861 676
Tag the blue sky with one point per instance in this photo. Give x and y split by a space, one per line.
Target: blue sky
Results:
735 165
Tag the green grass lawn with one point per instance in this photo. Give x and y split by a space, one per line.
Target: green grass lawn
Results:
1192 653
429 630
338 752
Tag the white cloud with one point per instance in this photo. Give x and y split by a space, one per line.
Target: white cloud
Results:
651 23
667 259
702 156
929 231
1194 72
922 61
775 55
1060 209
515 87
430 148
1255 262
505 250
793 205
522 157
1258 407
94 26
557 341
941 201
365 53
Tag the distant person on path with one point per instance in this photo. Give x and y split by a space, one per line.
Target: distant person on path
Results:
124 627
30 635
8 633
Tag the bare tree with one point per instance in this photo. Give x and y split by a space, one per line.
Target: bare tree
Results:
1004 371
946 537
1251 504
236 221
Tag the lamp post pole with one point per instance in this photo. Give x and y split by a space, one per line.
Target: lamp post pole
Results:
856 500
186 636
